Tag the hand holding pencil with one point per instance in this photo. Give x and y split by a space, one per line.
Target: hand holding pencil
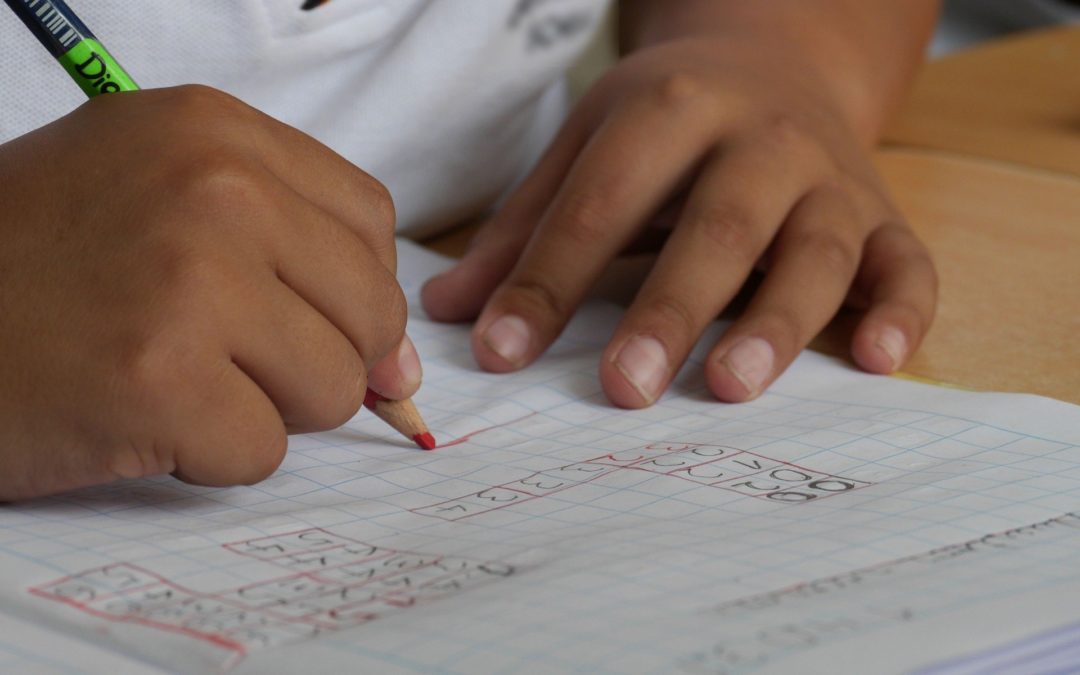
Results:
191 287
390 384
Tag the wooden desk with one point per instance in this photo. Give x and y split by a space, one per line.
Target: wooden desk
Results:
1016 100
1006 241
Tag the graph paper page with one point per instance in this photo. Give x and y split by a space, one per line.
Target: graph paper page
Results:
841 523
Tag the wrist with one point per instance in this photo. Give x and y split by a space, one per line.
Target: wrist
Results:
864 70
856 87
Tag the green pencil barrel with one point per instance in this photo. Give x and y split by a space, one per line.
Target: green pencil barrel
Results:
95 70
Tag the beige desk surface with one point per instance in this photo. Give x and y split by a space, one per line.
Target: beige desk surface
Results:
1006 241
1016 100
984 136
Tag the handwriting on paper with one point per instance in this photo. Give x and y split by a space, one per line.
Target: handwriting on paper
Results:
328 582
715 466
767 628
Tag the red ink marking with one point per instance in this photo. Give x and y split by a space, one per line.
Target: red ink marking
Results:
371 399
466 437
425 440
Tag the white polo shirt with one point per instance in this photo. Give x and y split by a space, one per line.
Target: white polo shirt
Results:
447 102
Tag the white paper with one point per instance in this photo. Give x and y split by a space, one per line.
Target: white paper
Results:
841 523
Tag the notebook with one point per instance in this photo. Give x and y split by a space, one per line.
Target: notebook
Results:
842 522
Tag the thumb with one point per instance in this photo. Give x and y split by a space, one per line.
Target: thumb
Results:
397 376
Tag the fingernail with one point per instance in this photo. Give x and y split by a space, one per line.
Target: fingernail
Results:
509 337
409 363
751 362
892 341
643 362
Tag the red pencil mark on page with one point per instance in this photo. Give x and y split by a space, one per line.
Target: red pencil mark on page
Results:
466 437
311 582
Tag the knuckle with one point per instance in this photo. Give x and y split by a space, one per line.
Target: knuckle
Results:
830 250
201 103
914 257
538 297
727 228
783 129
674 314
220 179
155 351
396 315
678 90
398 312
918 315
787 135
381 202
138 459
786 329
585 219
263 453
187 279
338 402
149 372
380 218
378 337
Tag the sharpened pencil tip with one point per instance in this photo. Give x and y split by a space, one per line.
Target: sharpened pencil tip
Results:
425 440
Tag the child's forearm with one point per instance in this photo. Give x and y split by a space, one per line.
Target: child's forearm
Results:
866 51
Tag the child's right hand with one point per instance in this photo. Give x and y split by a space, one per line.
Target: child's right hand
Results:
182 281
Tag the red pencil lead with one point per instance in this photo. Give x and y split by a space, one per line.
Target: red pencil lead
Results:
425 440
403 416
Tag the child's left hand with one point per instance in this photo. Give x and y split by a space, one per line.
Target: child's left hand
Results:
762 167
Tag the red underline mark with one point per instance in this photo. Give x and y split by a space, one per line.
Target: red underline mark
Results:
466 437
